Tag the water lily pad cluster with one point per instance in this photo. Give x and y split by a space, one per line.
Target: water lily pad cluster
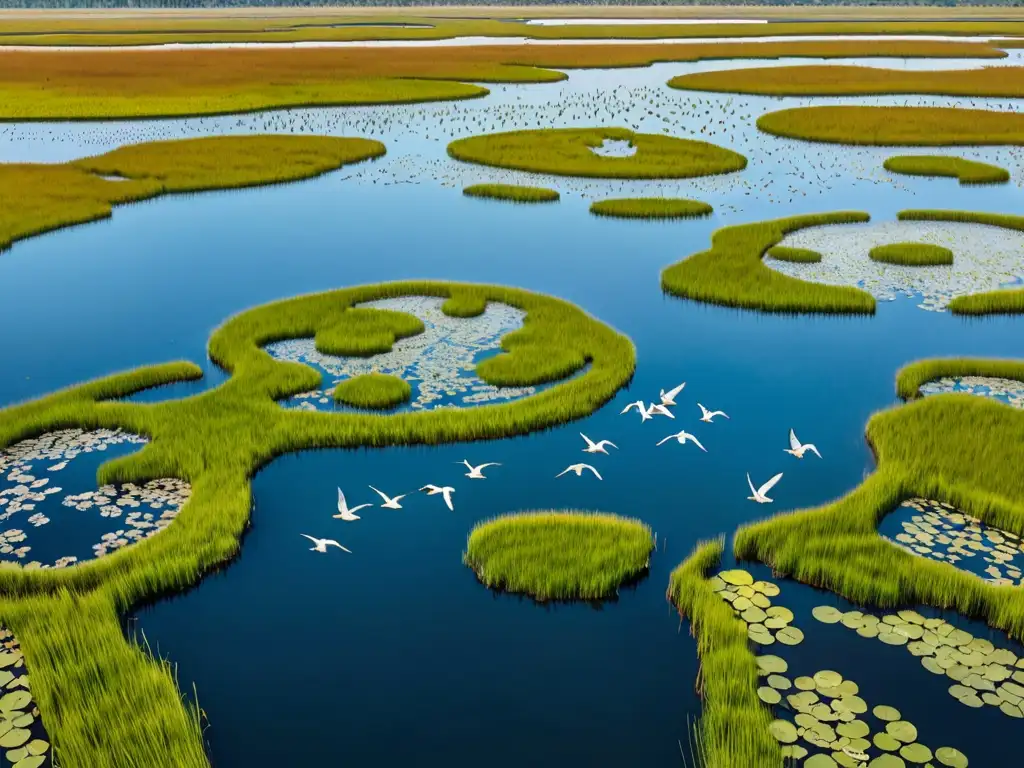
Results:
1004 390
22 738
982 674
751 601
833 726
941 532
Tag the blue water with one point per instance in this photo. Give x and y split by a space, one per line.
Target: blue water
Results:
395 654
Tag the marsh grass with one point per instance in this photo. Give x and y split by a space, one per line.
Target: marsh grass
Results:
794 255
568 152
513 192
911 254
109 704
733 730
38 198
559 555
895 126
966 171
732 273
373 390
651 208
911 377
363 332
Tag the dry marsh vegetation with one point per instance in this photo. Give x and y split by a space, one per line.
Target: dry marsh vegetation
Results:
514 192
962 169
651 208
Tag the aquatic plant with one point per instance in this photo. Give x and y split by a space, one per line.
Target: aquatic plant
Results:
102 698
651 208
732 273
912 376
362 332
569 152
967 171
893 126
911 254
373 390
514 192
559 555
794 255
41 197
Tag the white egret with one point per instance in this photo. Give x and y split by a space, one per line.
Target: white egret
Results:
475 473
707 415
578 469
593 447
797 449
669 398
682 436
446 491
345 512
389 502
321 545
760 493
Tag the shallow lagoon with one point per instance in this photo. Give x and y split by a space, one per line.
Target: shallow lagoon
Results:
396 652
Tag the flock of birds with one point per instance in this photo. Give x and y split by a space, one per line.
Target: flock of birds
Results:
647 411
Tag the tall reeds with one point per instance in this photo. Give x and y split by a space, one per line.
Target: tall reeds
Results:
373 390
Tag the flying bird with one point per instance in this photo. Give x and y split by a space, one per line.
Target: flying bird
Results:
475 473
345 512
446 491
797 449
593 447
320 545
656 409
669 398
760 494
707 415
389 502
682 437
639 405
578 469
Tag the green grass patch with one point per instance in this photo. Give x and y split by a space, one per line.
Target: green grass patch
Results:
911 254
911 377
559 555
732 273
513 192
373 390
966 171
568 152
795 255
39 197
895 126
651 208
733 730
362 332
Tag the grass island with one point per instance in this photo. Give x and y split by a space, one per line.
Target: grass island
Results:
964 170
515 192
651 208
794 255
911 254
559 555
373 390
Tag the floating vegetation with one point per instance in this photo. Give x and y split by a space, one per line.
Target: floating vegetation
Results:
934 374
795 255
982 674
373 390
941 532
751 601
559 555
651 208
145 510
987 257
437 364
1007 391
911 254
967 171
567 152
515 192
23 740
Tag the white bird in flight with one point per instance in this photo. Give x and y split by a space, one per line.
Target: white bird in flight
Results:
578 469
344 512
682 437
760 494
593 447
475 473
389 502
707 415
446 491
659 409
639 405
797 449
320 545
669 398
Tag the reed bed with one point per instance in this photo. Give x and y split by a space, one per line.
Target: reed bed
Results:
960 168
514 192
733 731
373 390
651 208
911 254
795 255
732 273
896 126
569 152
840 80
363 332
911 377
559 555
39 198
216 441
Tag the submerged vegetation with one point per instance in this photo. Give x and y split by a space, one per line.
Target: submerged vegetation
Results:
373 390
570 152
514 192
40 197
911 254
559 555
651 208
967 171
794 255
101 696
733 274
893 126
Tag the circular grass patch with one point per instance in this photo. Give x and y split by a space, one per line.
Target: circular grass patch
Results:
373 390
912 254
795 255
651 208
966 171
514 192
569 152
559 555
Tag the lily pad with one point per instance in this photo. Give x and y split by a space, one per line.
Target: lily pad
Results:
789 636
887 761
738 578
783 731
886 742
768 695
826 678
888 714
15 738
903 731
32 761
916 753
952 758
820 761
855 729
15 700
771 665
37 747
827 614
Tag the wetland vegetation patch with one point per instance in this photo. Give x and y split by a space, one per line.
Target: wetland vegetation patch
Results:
966 171
911 254
651 208
515 192
373 390
794 255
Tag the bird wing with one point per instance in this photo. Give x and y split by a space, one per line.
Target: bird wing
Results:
793 442
609 442
489 464
306 535
447 493
342 506
636 404
703 411
752 489
813 449
381 494
430 488
696 442
596 473
361 506
666 439
590 443
567 469
671 394
769 485
723 414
